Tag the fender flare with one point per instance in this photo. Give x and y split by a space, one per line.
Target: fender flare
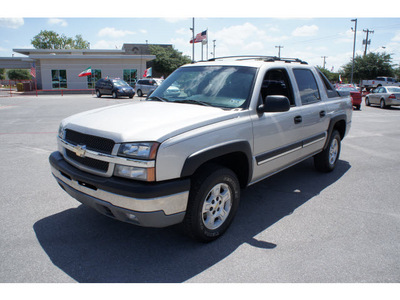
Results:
332 124
195 160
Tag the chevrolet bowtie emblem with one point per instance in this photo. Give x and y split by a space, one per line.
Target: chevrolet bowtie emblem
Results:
80 150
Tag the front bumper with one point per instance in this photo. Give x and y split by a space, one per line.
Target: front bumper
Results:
146 204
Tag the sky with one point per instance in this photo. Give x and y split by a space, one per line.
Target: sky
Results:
300 34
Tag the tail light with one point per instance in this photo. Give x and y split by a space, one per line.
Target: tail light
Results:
392 96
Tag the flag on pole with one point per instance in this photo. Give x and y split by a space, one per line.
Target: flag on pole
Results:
33 70
86 72
147 73
200 37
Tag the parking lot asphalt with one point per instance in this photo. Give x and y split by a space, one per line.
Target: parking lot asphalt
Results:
296 226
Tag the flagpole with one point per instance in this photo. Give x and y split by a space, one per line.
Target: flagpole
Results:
207 44
192 40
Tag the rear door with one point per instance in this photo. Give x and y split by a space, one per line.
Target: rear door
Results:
313 112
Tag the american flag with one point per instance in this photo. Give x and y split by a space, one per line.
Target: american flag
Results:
200 37
33 70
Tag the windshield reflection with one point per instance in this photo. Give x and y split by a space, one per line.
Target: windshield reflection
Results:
218 86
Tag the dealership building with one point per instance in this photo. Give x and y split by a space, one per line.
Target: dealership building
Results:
59 68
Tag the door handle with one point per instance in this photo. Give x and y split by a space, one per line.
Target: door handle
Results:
322 113
298 119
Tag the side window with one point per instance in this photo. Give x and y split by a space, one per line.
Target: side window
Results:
276 82
330 90
308 88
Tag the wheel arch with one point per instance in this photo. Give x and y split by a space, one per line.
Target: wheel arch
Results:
236 156
337 123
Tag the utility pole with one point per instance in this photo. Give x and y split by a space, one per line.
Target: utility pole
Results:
366 41
279 51
324 57
354 48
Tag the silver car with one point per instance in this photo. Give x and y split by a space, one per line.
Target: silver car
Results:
146 86
384 96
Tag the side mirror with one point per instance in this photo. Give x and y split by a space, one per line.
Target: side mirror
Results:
274 104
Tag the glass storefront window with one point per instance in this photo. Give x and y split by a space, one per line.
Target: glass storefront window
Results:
130 76
59 79
91 80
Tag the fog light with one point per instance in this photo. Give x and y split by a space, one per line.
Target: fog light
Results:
132 217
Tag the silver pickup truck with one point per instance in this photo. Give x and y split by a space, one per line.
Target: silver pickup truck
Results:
209 130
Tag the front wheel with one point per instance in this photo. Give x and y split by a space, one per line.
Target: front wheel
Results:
367 103
98 94
213 202
327 159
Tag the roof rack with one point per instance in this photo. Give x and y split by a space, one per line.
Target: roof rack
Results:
260 57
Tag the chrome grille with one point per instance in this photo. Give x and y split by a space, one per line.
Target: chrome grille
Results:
88 162
95 143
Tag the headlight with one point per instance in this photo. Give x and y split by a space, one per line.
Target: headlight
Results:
139 150
145 174
61 131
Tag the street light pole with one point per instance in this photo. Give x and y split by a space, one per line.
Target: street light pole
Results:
354 48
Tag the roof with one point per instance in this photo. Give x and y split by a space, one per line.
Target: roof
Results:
250 61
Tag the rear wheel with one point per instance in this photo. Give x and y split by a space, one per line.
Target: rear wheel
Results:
98 94
382 103
139 93
114 95
327 159
213 201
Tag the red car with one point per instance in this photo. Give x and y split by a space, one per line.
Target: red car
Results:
355 95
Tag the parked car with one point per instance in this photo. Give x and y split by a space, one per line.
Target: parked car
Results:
355 95
115 87
146 86
384 96
185 158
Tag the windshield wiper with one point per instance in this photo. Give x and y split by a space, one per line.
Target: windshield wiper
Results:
191 101
158 99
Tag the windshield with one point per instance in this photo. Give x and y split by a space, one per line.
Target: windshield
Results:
393 90
119 83
225 87
348 89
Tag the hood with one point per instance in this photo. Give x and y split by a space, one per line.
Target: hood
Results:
145 120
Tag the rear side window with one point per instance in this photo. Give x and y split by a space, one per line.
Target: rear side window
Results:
307 85
330 90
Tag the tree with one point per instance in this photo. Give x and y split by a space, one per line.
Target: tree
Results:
167 59
2 74
332 77
369 67
52 40
18 74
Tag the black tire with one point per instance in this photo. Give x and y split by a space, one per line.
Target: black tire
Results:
213 202
114 95
367 103
326 160
382 104
131 96
139 93
98 94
